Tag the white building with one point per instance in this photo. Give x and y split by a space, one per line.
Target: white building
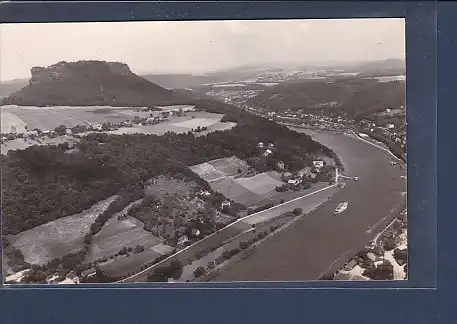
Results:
318 164
183 239
225 204
267 152
293 181
260 144
18 276
96 126
390 126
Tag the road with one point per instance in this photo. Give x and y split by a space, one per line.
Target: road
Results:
323 242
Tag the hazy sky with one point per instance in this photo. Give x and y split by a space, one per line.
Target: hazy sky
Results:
198 46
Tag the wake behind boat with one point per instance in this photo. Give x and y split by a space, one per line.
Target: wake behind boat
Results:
341 207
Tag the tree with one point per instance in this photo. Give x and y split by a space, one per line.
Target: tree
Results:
199 272
239 170
61 129
297 211
175 269
138 249
243 245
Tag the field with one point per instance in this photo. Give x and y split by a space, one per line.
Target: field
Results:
222 175
164 185
260 184
20 144
255 191
49 118
57 238
46 118
117 233
9 120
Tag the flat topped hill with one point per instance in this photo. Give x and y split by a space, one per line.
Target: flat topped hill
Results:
92 83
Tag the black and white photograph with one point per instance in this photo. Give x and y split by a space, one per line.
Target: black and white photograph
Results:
203 151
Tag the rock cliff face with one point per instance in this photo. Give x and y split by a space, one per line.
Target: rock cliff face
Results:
66 70
91 83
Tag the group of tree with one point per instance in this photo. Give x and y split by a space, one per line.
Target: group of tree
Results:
130 193
383 271
163 273
357 97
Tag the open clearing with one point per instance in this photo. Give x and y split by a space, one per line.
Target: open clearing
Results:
20 144
165 185
118 233
221 175
260 184
57 238
194 123
129 264
9 121
229 166
48 118
207 172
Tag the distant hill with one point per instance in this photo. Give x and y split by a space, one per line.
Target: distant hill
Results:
356 97
387 67
9 87
91 83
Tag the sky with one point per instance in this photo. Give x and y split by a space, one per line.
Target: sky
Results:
198 46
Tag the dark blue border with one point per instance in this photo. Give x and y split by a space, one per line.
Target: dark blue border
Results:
343 305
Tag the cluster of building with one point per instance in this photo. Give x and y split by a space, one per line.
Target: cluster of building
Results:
70 278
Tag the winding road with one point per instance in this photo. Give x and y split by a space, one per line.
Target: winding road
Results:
322 242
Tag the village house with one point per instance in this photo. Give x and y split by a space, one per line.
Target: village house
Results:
89 273
318 164
52 279
204 193
271 145
260 144
267 152
73 277
350 265
293 182
182 240
31 133
68 131
195 232
96 126
17 277
225 204
280 165
390 126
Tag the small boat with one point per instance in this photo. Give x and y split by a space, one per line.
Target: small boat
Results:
341 207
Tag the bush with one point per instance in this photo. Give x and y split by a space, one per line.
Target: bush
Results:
138 249
200 271
297 211
243 245
389 244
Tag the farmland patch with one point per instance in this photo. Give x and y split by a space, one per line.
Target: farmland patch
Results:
207 172
194 123
129 264
238 193
229 166
260 184
163 185
57 238
10 121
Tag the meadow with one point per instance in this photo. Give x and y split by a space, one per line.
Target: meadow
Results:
57 238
